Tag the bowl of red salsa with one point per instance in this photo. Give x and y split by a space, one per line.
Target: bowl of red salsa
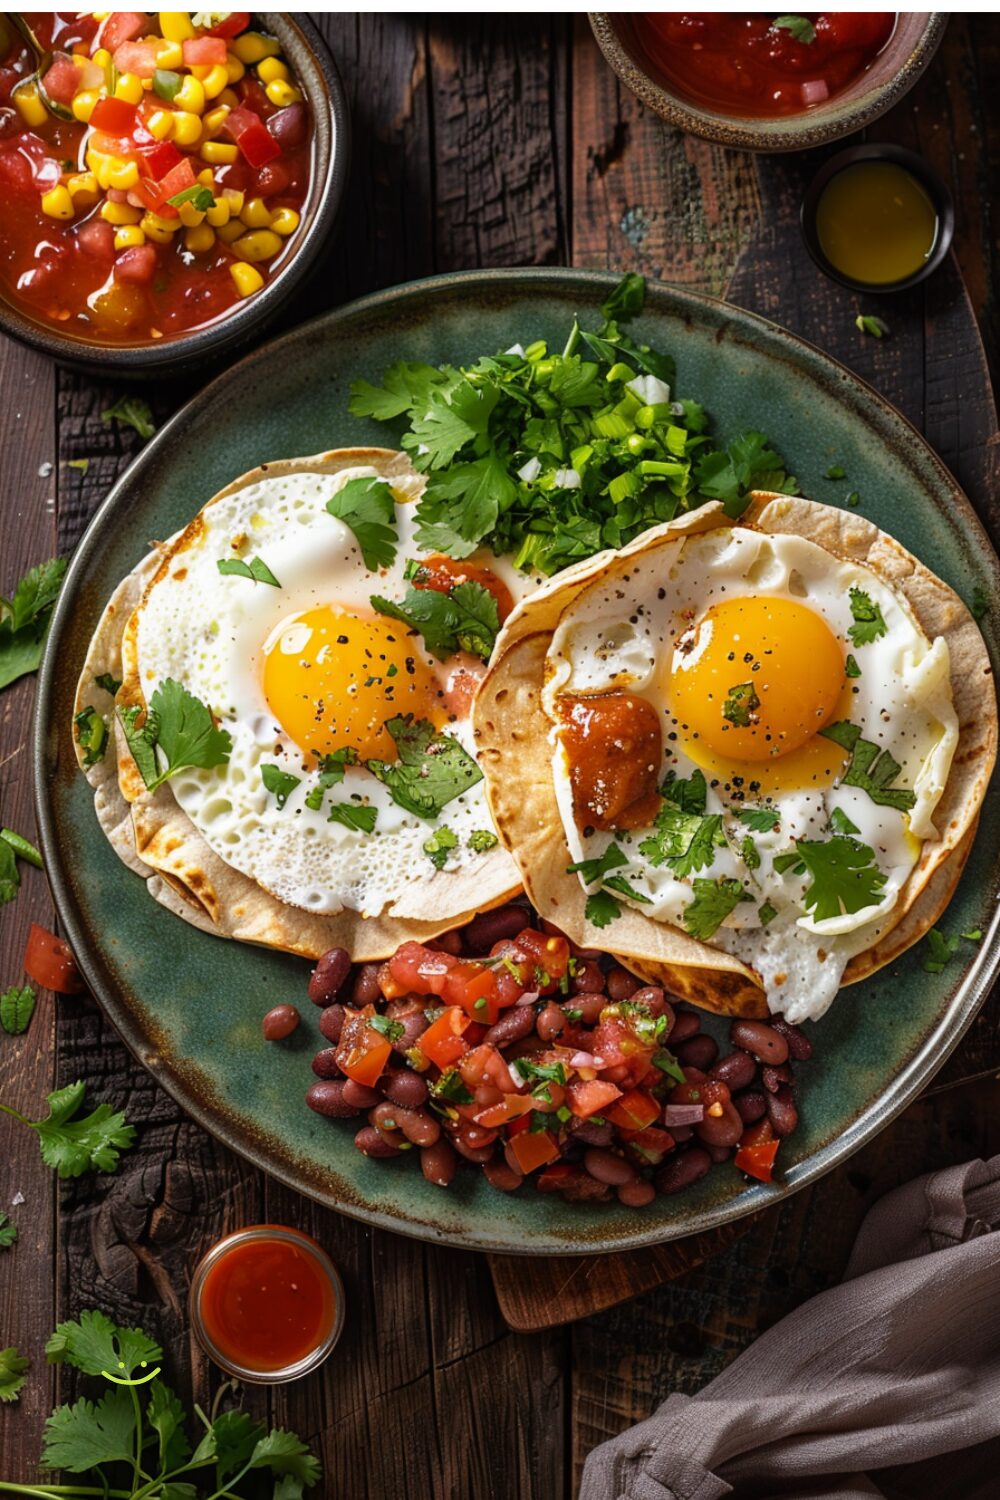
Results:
167 180
769 82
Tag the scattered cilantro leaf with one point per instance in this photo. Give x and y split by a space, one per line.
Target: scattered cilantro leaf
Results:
281 783
391 1030
841 823
867 616
759 819
79 1437
10 878
870 767
71 1145
356 815
432 770
746 463
8 1231
845 877
25 619
864 323
332 769
592 871
602 909
178 726
93 1344
165 1415
853 499
405 387
978 608
464 619
767 913
941 949
256 570
366 507
835 471
627 299
108 683
741 705
713 901
974 935
482 840
17 1006
440 844
750 854
851 668
684 837
13 1373
80 464
667 1063
91 735
800 27
131 411
622 887
198 195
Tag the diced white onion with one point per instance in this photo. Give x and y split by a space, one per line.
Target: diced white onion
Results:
530 471
650 389
567 479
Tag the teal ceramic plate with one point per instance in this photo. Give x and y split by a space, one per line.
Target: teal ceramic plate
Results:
190 1005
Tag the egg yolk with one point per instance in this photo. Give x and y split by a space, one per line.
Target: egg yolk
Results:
333 679
754 681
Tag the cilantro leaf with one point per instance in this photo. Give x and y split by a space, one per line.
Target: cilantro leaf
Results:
165 1415
845 877
199 195
8 1231
684 837
870 767
767 913
622 887
230 1440
759 819
131 411
285 1454
356 815
626 301
432 770
690 795
464 619
712 904
941 949
91 735
460 507
482 840
404 387
851 668
439 846
593 871
974 935
866 324
749 853
256 570
25 619
741 705
841 823
93 1344
281 783
17 1006
455 415
800 27
602 909
89 1144
79 1437
178 726
108 683
13 1372
366 507
332 769
746 463
835 471
868 622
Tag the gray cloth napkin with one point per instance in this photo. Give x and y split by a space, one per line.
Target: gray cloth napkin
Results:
896 1366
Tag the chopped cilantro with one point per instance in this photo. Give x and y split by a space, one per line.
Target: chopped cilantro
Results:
367 508
391 1030
281 783
13 1373
602 909
198 195
870 768
749 853
759 819
353 815
667 1063
767 913
527 1069
851 668
974 935
747 463
841 823
712 904
179 728
853 499
685 838
619 884
331 774
940 951
451 1086
131 411
8 1231
835 471
91 735
463 619
800 27
626 301
867 324
868 622
256 569
592 871
845 877
741 705
432 770
482 840
439 846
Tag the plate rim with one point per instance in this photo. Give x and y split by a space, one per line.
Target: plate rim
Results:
228 1128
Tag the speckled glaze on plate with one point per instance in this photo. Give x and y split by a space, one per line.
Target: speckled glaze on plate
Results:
190 1005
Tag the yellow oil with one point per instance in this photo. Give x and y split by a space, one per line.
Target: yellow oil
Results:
876 223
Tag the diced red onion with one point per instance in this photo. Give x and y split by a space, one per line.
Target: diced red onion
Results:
815 91
586 1060
528 998
683 1114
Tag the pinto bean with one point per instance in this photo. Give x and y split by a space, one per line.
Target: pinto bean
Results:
491 927
588 978
589 1004
760 1040
620 984
499 1175
721 1130
605 1166
279 1022
686 1024
637 1194
781 1111
698 1051
366 986
405 1088
327 1098
416 1124
438 1162
799 1045
357 1093
773 1078
331 1022
515 1023
751 1106
682 1170
737 1070
329 975
370 1142
325 1064
550 1022
478 1154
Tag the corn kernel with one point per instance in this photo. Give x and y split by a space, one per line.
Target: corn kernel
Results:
187 128
230 98
199 239
152 227
251 47
229 231
120 213
219 153
260 244
102 57
129 88
160 124
271 68
215 80
30 106
84 104
176 25
57 203
220 214
102 166
100 15
122 174
169 54
282 94
234 197
284 221
190 216
256 214
234 68
247 279
190 96
128 235
82 185
213 122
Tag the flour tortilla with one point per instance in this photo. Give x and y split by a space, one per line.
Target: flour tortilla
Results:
156 839
512 736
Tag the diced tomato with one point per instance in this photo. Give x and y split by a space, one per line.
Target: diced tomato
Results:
587 1097
474 988
204 51
62 78
158 193
511 1107
634 1111
234 23
97 239
255 141
533 1148
420 970
758 1161
272 179
444 573
362 1052
137 263
113 115
251 93
121 26
160 158
626 1056
484 1064
758 1134
49 962
652 1144
442 1043
550 955
136 57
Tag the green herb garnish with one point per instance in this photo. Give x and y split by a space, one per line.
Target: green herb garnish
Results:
131 411
332 769
13 1373
91 735
355 815
432 770
741 705
482 840
108 683
940 951
712 904
870 767
177 728
281 783
256 569
198 195
759 819
835 471
867 616
851 668
367 507
25 619
845 877
17 1006
464 619
800 27
391 1030
841 823
601 909
866 324
767 913
438 847
71 1145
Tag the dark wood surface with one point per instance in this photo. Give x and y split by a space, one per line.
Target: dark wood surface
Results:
480 140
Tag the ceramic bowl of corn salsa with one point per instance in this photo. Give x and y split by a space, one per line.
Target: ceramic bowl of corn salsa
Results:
167 179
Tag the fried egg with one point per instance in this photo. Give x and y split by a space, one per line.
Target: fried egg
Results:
303 668
806 734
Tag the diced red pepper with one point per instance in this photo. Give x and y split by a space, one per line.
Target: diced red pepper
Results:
252 136
761 1133
533 1148
758 1161
362 1052
511 1107
204 51
442 1043
62 78
234 23
49 962
115 116
121 26
177 180
634 1111
160 158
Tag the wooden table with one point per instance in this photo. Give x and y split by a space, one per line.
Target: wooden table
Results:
478 140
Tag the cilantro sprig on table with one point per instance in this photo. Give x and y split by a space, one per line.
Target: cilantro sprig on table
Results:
178 729
25 618
72 1143
550 457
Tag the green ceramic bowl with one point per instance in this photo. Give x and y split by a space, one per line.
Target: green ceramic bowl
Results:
190 1005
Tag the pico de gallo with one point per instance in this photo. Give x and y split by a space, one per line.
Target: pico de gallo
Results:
152 169
537 1061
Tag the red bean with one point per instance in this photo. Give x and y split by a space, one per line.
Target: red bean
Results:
653 998
279 1022
289 126
593 1133
751 1106
761 1041
416 1124
371 1143
781 1111
474 1135
325 1065
550 1023
357 1093
697 1052
605 1166
499 1175
477 1154
799 1045
637 1194
491 927
721 1130
327 979
737 1070
327 1098
620 984
447 942
331 1022
366 986
681 1133
405 1088
682 1170
438 1162
514 1024
718 1153
589 1005
686 1024
413 1026
773 1078
588 978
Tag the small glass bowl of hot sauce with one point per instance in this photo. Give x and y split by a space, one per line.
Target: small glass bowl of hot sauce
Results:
267 1304
877 218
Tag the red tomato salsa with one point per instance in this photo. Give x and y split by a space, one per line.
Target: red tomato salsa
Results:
748 64
153 176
